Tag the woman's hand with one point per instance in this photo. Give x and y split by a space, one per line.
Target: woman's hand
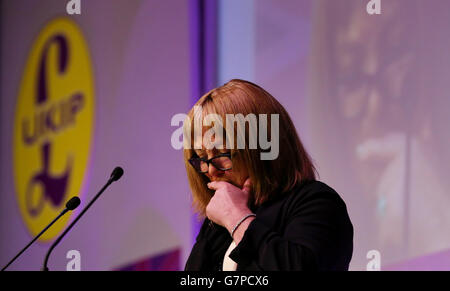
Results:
229 203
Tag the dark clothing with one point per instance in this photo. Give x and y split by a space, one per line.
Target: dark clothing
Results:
305 229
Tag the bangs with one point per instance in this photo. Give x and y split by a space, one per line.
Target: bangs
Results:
206 124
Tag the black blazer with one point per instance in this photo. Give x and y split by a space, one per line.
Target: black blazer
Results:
305 229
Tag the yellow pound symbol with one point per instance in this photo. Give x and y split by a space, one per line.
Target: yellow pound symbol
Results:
53 125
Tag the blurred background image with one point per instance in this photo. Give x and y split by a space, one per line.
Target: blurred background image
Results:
84 91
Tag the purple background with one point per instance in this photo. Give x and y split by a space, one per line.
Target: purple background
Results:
368 95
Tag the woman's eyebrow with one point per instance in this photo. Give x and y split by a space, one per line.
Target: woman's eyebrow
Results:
198 153
204 154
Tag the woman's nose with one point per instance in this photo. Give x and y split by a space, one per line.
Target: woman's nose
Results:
213 172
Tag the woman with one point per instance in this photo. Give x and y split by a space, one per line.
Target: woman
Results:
260 214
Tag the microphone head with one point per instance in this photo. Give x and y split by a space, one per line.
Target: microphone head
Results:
116 174
73 203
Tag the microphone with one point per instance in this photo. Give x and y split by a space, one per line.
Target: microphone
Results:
70 205
73 203
115 175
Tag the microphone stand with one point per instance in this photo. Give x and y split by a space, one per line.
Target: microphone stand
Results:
70 205
117 173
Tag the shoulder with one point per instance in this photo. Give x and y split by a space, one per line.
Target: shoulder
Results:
315 195
316 189
314 186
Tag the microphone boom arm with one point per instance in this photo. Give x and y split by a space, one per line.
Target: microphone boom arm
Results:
116 175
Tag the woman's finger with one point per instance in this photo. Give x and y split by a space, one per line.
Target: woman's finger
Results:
247 186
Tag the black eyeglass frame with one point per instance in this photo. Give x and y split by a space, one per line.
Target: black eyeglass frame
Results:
210 161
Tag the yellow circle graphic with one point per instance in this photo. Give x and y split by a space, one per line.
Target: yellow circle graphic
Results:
53 126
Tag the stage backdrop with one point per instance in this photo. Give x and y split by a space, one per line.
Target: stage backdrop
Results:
369 97
80 95
379 90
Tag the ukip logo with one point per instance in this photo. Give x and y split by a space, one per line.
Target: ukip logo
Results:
53 125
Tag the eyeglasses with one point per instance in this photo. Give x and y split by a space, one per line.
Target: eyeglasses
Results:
221 162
